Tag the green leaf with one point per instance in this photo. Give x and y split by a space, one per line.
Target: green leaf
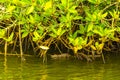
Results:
36 36
15 1
92 1
72 9
31 19
10 8
79 47
76 41
95 1
25 33
9 39
98 32
114 14
2 1
90 27
104 15
54 30
62 32
74 35
70 40
63 19
48 5
82 29
59 31
89 16
64 2
53 35
20 3
90 33
118 29
2 33
30 10
77 17
81 41
96 44
94 17
40 29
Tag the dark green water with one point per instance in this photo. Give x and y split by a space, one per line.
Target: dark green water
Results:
12 68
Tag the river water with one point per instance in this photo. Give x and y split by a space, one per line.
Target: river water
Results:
12 68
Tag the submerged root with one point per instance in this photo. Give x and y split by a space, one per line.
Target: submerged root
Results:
86 57
89 58
60 56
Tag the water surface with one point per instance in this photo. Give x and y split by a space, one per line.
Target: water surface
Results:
12 68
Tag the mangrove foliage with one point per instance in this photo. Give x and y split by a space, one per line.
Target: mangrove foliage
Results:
85 27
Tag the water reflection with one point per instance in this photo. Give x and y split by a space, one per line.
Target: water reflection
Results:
12 68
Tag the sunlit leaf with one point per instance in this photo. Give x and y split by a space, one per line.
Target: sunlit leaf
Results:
79 47
53 35
63 31
2 1
36 36
116 39
90 27
93 47
2 33
32 19
89 43
76 48
25 33
48 5
94 17
100 47
90 33
96 44
64 2
10 8
72 9
104 15
59 31
76 41
15 1
9 39
70 40
82 29
95 1
40 29
78 17
85 41
88 17
63 19
30 10
118 29
54 30
97 32
92 1
81 41
19 3
114 14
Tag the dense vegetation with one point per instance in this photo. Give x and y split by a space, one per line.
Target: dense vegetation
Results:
83 26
